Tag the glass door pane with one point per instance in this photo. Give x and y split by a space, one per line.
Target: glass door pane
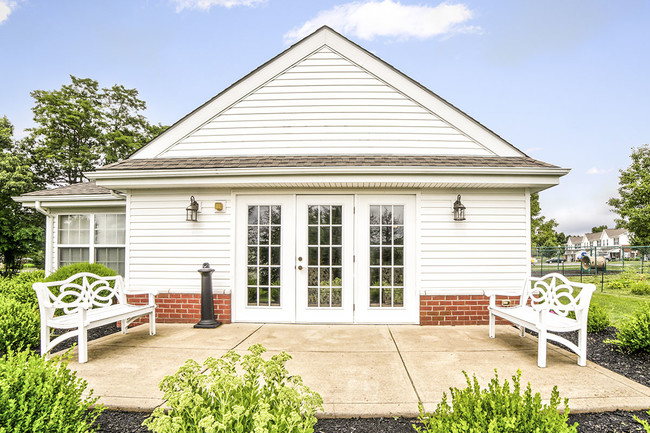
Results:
324 252
386 224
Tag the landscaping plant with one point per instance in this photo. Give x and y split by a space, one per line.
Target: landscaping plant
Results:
217 398
19 325
43 396
19 287
634 335
598 318
497 409
65 272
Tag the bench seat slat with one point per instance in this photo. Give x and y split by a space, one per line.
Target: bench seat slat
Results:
113 313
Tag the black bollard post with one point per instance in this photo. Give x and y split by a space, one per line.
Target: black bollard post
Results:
207 303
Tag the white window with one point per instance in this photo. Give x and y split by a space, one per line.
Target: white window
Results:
616 241
105 246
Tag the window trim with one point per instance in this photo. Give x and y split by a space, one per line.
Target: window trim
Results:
91 245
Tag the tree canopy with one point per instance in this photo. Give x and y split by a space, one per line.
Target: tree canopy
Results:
542 231
633 203
599 229
82 126
21 230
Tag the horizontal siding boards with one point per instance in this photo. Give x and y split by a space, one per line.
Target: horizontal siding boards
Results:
325 104
165 251
487 251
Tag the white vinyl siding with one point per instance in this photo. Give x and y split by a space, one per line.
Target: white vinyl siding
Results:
487 251
165 250
325 104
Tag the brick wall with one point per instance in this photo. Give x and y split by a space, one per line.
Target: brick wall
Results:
183 308
458 309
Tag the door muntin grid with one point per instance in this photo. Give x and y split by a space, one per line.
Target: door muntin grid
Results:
264 255
324 256
386 256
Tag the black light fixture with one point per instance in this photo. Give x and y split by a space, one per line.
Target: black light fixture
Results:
192 211
459 210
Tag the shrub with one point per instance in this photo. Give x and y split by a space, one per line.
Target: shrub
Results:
641 287
43 396
598 318
19 287
619 284
66 272
634 335
19 325
215 398
496 409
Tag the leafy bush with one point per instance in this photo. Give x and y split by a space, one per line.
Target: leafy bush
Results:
264 399
19 287
19 325
619 284
634 335
66 272
496 409
37 395
640 287
598 318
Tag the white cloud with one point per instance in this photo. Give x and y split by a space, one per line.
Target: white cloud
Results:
596 170
207 4
6 8
369 19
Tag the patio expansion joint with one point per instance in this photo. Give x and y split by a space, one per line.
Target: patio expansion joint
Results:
408 373
247 337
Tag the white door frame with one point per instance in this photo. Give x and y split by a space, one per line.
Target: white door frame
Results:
409 313
344 313
285 313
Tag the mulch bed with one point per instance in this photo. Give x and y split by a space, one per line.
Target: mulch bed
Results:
635 367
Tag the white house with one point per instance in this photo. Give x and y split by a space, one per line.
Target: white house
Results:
608 243
325 182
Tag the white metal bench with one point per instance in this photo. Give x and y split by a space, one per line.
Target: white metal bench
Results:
85 305
544 308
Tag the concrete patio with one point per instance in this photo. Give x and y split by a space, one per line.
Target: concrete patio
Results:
362 370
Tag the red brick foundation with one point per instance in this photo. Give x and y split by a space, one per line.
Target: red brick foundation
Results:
183 308
458 309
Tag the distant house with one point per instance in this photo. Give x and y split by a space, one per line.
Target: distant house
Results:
609 243
321 188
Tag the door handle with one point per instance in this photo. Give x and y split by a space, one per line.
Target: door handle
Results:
300 268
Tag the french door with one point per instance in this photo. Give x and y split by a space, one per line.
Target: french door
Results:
324 264
314 259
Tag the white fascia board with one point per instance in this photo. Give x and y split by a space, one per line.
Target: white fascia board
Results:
452 115
480 180
67 201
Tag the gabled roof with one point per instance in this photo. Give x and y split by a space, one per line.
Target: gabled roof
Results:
615 232
575 239
83 188
594 236
326 93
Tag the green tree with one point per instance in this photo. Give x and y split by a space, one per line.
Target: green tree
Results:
82 126
542 231
599 229
633 203
21 230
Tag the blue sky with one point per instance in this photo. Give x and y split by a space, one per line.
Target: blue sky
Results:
565 81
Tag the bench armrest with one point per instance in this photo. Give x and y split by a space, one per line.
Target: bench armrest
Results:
492 294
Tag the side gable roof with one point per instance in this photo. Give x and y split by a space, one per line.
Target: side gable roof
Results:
326 93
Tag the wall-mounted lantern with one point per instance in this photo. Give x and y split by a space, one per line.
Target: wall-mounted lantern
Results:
192 211
459 210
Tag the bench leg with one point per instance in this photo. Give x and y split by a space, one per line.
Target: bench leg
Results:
152 323
125 326
83 345
522 331
45 338
582 347
541 349
492 325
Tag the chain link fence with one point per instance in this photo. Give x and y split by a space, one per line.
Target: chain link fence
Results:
589 261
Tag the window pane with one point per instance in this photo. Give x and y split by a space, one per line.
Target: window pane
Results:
69 256
264 255
111 258
386 254
74 229
109 229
